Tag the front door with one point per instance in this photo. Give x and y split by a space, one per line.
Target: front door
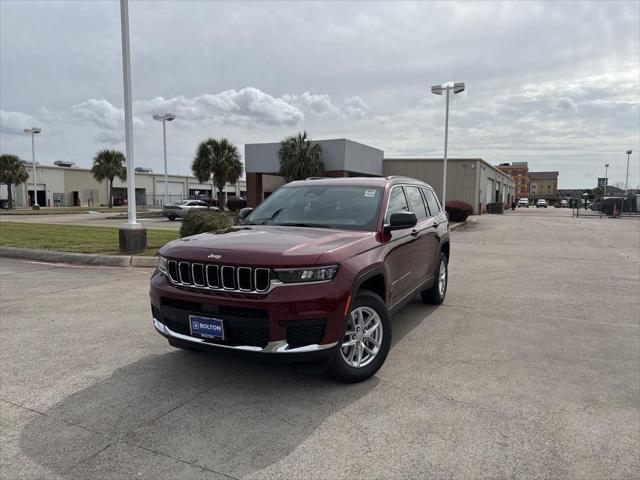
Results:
403 257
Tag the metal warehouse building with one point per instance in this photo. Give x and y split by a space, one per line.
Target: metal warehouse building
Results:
59 186
472 180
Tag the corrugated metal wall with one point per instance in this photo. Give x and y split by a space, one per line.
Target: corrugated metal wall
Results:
467 178
461 175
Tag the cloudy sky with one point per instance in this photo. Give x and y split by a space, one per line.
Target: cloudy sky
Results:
555 84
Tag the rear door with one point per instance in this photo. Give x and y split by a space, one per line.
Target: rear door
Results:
437 227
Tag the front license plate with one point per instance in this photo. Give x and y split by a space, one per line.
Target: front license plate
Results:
206 327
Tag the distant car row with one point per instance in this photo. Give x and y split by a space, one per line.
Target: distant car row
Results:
541 203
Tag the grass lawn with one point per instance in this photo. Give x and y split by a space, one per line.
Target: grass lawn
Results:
71 238
64 210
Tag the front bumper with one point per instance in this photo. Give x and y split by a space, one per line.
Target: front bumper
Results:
278 346
285 320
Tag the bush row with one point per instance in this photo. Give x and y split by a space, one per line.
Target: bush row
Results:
201 221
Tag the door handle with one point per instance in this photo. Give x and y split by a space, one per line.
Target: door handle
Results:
414 233
435 225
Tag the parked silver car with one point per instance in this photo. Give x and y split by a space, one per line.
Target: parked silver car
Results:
180 209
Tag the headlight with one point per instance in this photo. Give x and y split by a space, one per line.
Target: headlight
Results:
162 264
302 275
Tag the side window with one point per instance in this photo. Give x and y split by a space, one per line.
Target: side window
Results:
397 203
416 205
432 201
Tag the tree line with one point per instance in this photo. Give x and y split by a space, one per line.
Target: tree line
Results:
216 161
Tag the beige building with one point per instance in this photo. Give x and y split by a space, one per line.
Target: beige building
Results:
471 180
468 179
543 185
72 186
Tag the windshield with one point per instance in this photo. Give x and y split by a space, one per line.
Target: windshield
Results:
333 206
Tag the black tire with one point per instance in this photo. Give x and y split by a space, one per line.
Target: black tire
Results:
433 296
182 345
339 369
171 218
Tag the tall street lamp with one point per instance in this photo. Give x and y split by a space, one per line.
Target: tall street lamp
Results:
132 237
606 179
33 132
438 89
167 117
626 181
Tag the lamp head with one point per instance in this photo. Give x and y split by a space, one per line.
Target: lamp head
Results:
437 89
458 87
606 165
32 131
629 152
166 117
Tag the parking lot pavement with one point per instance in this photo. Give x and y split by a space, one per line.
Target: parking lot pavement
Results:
97 219
531 368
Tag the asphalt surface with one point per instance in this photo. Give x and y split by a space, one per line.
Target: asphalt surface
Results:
97 219
531 369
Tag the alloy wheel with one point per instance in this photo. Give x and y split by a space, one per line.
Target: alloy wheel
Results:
442 277
363 337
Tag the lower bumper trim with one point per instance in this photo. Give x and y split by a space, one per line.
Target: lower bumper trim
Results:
279 346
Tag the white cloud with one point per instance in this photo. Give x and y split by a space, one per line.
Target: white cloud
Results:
355 107
16 122
248 106
103 114
566 104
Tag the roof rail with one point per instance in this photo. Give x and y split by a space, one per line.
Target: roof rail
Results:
391 177
316 178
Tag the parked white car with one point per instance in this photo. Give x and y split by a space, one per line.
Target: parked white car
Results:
542 203
180 209
523 202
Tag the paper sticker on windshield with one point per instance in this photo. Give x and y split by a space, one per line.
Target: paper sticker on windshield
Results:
370 193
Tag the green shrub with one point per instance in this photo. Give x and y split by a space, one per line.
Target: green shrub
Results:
458 210
200 221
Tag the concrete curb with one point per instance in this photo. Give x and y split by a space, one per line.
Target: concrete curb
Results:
78 258
453 228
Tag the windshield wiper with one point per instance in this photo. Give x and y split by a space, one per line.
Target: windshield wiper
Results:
297 224
263 221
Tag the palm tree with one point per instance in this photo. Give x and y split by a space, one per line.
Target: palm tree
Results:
300 158
12 172
107 165
218 160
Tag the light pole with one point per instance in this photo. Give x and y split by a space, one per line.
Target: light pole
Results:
132 237
606 179
33 132
626 181
167 117
438 89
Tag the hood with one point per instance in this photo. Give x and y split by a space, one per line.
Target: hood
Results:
272 246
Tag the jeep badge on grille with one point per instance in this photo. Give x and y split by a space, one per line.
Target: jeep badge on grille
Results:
214 256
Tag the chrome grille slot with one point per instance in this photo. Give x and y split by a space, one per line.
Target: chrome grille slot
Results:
212 276
197 274
244 279
185 272
228 278
219 277
172 270
261 281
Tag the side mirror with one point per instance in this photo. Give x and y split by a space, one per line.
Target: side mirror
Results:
401 220
244 213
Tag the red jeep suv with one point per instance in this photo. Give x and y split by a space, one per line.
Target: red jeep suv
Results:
315 271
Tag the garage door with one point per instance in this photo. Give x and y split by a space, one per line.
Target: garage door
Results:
175 188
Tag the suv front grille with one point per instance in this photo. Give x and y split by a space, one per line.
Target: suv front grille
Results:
219 277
